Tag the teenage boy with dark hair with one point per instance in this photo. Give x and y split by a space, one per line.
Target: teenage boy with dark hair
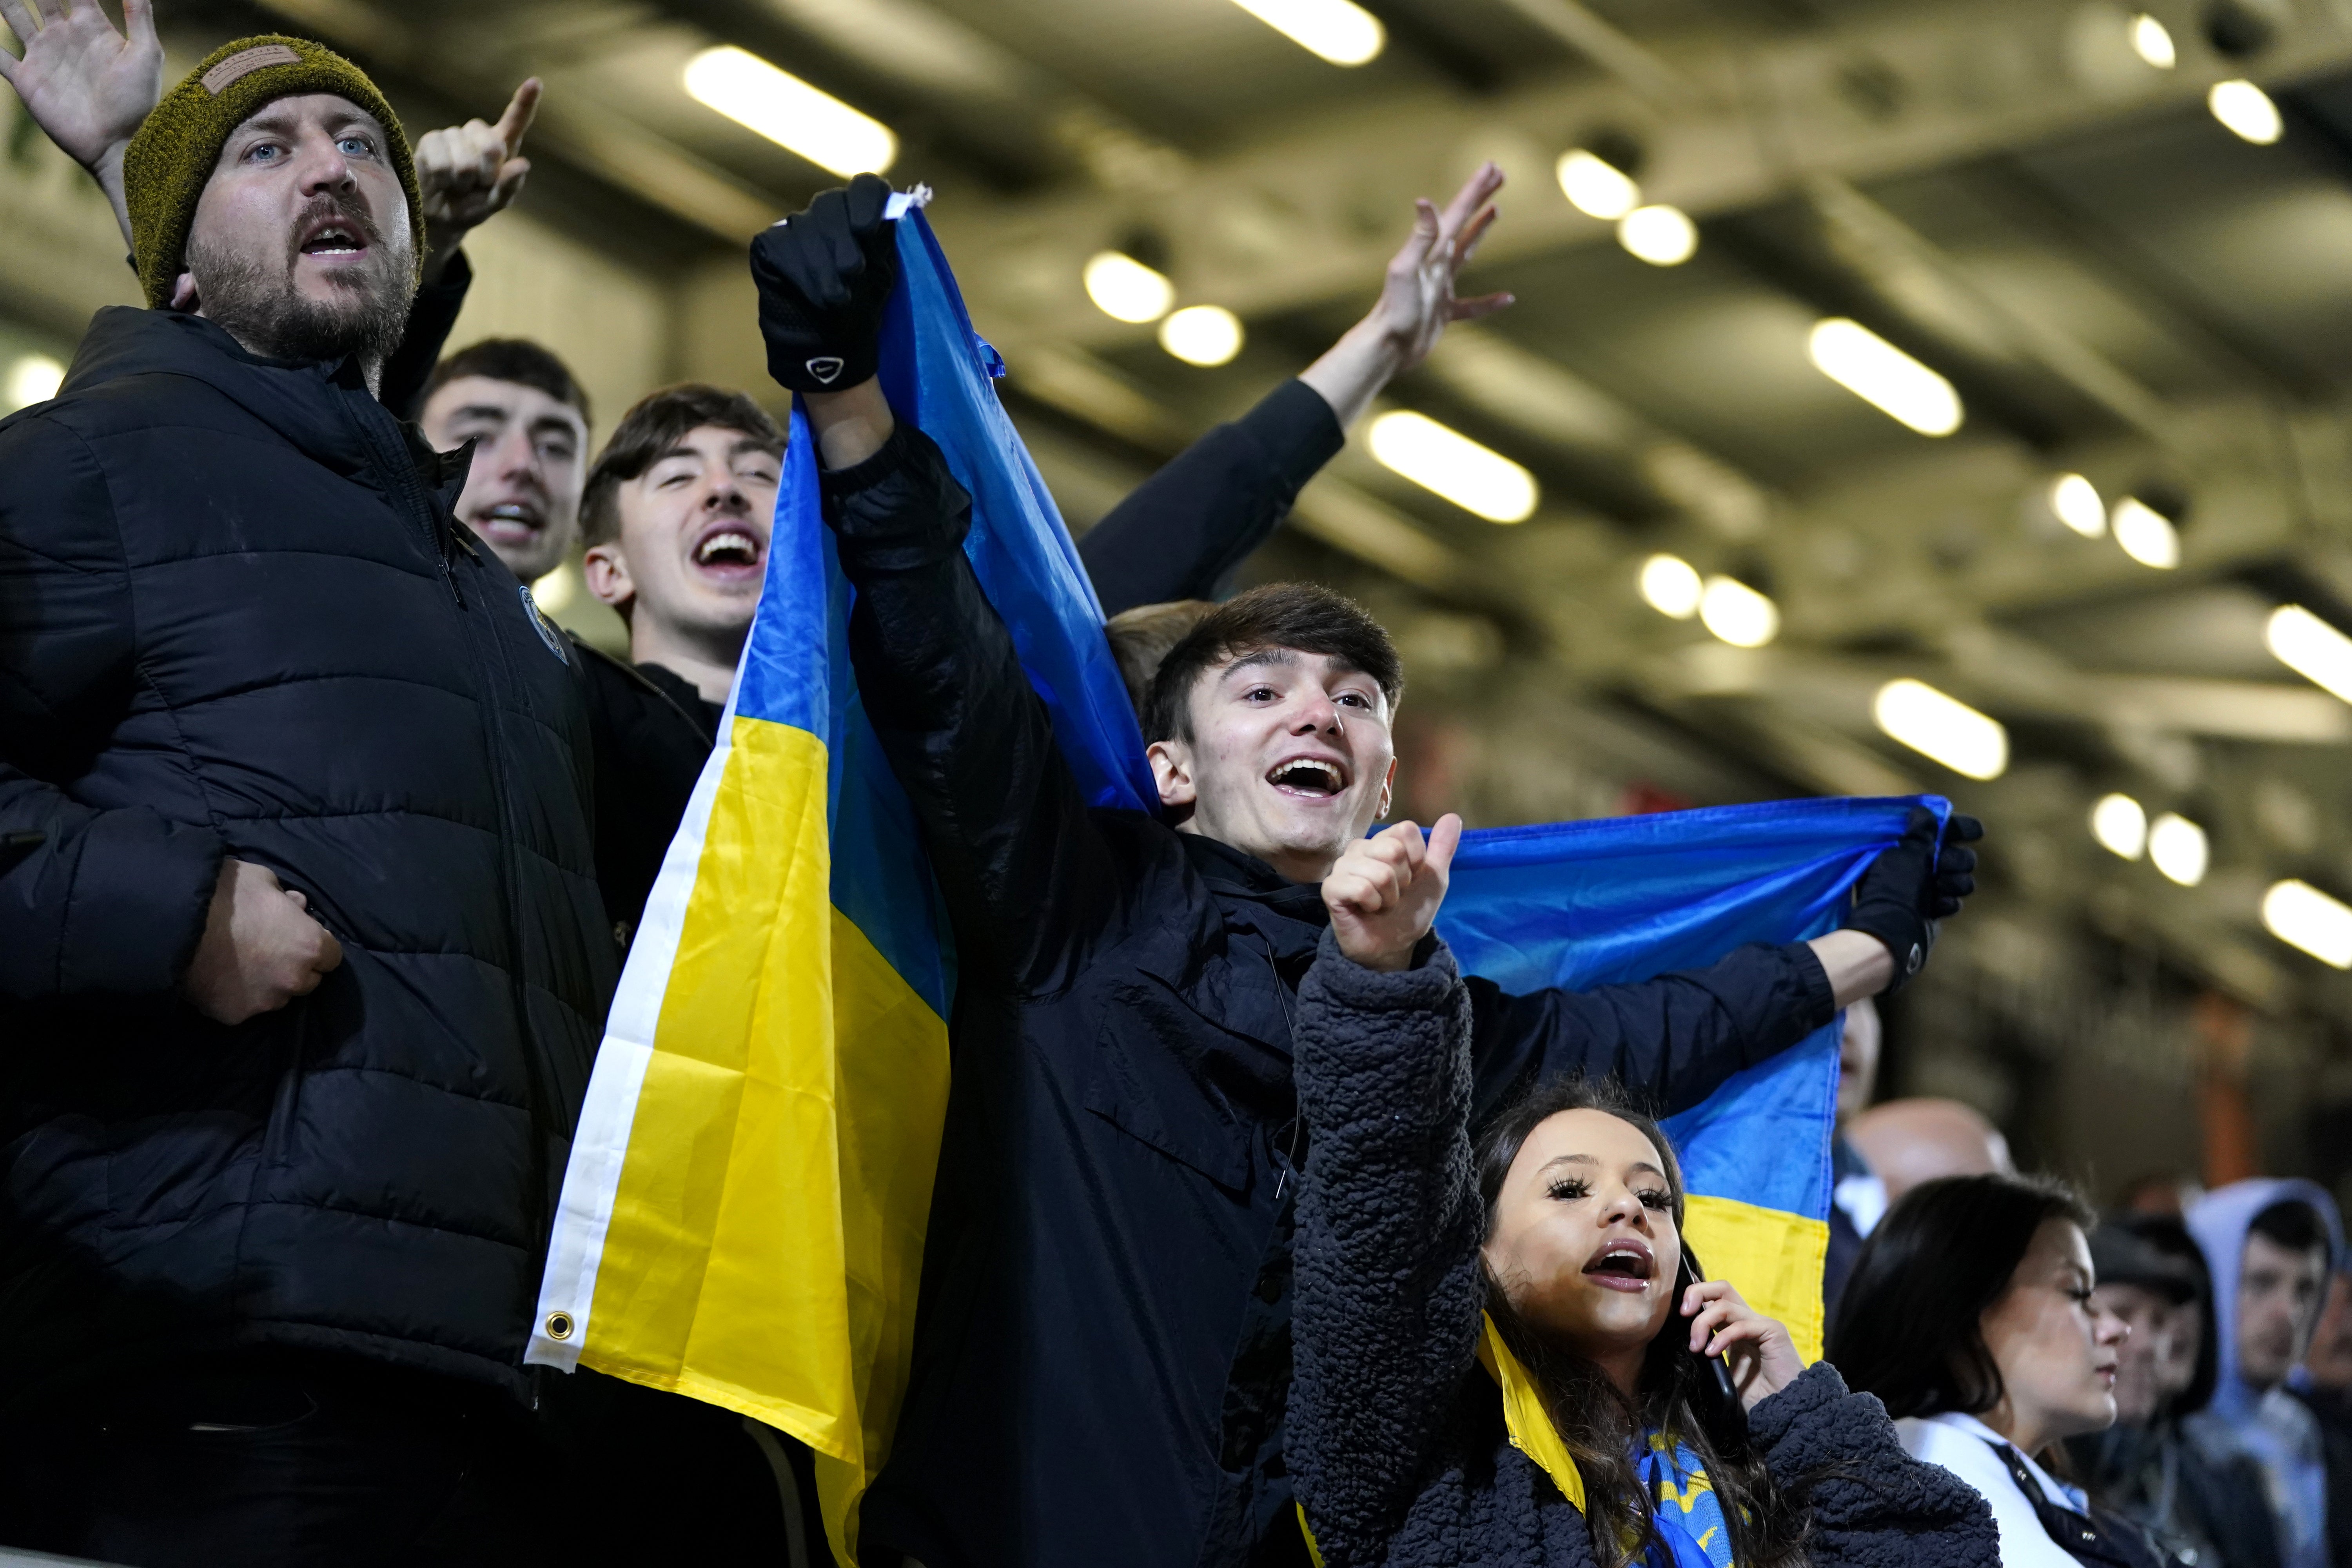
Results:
1103 1350
528 419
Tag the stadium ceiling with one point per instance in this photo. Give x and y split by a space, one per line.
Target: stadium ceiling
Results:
2017 193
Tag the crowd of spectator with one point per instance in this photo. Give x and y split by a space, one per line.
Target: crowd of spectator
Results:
1264 1234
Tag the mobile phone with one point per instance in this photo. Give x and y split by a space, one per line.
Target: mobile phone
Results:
1719 1396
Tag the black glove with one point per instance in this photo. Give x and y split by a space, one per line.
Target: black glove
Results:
825 274
1912 884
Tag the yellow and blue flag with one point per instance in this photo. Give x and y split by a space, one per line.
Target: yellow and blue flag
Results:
1580 904
743 1216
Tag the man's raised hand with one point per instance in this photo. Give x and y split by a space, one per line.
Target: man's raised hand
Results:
260 948
468 173
1384 893
87 87
1417 301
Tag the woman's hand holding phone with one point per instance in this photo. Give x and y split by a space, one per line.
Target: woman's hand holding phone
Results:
1763 1357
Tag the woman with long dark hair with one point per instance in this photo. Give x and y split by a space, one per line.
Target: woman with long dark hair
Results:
1971 1313
1512 1361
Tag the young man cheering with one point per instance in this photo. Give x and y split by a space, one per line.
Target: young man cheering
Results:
1103 1350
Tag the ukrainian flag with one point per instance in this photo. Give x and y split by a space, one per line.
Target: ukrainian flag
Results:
1581 904
744 1213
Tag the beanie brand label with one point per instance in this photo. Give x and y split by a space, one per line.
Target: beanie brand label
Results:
244 63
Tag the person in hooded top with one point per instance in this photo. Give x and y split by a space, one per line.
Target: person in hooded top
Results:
1506 1353
2271 1244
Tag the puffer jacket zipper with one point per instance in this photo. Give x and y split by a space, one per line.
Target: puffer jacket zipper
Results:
383 438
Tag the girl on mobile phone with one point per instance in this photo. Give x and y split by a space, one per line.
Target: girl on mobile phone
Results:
1505 1356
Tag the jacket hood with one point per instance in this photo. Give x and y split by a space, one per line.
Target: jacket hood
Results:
2220 1221
297 398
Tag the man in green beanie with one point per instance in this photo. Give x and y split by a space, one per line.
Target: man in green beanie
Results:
273 193
302 958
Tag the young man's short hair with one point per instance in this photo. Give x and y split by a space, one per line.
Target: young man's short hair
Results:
2292 1223
1141 638
518 360
1302 616
658 423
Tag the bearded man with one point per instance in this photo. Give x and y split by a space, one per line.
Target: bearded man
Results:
302 956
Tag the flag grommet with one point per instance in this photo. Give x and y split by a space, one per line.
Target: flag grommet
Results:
559 1325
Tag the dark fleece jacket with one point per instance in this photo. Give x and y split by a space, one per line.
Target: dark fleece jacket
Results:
1396 1443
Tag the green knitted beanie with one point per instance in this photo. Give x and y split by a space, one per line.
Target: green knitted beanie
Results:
167 164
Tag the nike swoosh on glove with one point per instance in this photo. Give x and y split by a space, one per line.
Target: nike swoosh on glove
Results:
1915 883
825 275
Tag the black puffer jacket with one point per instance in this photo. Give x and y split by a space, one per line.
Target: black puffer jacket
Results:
236 618
1396 1443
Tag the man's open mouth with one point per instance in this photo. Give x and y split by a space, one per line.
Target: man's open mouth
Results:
1316 777
509 519
334 236
728 549
1623 1266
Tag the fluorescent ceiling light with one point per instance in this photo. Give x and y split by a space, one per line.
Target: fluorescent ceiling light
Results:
1474 477
2147 535
1660 235
2152 42
1126 290
1884 376
1944 728
1203 334
1595 186
790 112
33 378
2178 849
2311 648
2300 915
2120 825
1738 613
1671 587
1338 30
2247 111
2076 504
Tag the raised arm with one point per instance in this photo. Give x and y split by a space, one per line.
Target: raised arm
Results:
466 175
87 85
1675 1040
1027 876
1388 1286
1183 530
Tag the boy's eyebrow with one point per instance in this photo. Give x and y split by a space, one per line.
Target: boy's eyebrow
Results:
1263 657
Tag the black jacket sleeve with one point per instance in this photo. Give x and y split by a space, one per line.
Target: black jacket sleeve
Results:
1872 1505
1672 1040
431 318
1189 525
1027 877
1389 1288
92 900
649 755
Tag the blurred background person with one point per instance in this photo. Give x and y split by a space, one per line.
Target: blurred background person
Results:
1908 1143
2270 1246
1857 1197
1970 1314
2199 1512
